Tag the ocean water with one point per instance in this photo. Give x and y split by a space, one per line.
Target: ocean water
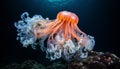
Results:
96 17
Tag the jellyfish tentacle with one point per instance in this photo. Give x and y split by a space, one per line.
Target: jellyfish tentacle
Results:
49 27
56 29
76 28
64 38
74 33
67 32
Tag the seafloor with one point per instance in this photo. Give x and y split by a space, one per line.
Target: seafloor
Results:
95 60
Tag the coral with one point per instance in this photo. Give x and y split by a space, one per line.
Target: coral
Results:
95 60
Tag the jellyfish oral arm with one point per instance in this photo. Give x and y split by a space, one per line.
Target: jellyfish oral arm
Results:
64 38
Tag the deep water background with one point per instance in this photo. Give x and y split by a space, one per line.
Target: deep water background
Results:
98 18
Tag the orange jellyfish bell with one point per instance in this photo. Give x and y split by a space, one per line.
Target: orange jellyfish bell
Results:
68 17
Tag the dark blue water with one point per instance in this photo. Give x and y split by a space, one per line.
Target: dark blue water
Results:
98 18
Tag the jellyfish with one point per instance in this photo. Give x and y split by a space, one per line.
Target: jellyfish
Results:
64 38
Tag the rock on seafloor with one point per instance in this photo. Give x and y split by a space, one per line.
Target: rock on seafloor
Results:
95 60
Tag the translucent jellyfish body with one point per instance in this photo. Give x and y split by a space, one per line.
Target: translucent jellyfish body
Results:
64 38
